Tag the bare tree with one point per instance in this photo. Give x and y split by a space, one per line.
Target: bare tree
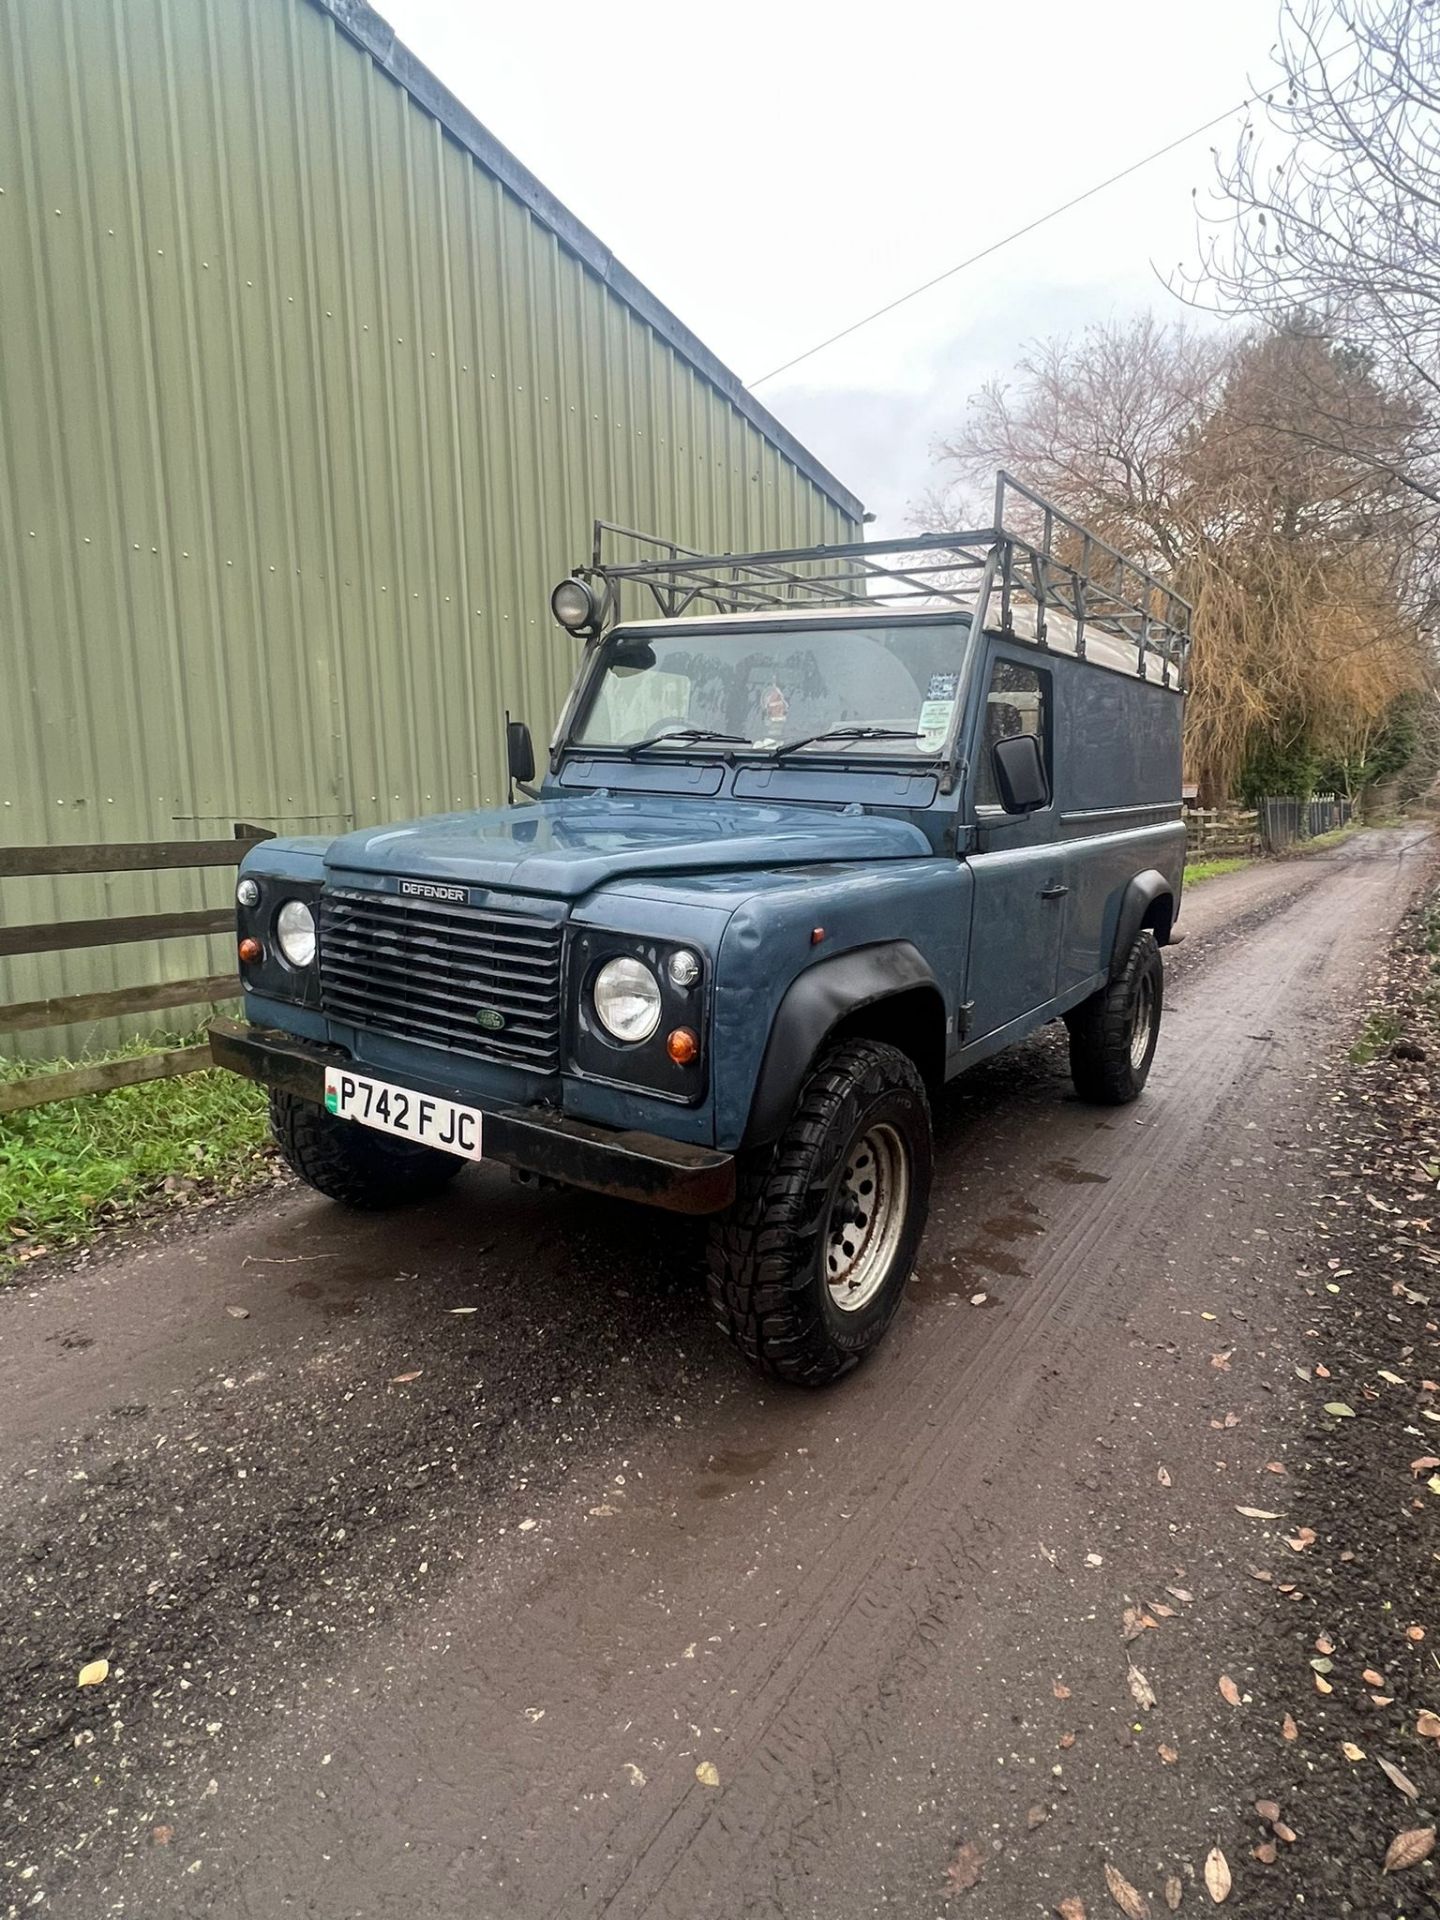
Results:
1329 207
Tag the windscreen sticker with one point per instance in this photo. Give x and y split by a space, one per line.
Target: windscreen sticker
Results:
934 728
942 687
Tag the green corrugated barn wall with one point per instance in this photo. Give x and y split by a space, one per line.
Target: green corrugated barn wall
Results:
308 393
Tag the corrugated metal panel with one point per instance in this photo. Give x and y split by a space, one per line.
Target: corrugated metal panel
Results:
302 410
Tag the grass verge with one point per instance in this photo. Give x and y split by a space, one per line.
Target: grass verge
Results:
71 1168
1210 869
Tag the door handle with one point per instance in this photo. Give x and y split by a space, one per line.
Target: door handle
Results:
1053 892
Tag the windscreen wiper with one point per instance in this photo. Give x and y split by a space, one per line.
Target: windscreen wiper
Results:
844 733
685 733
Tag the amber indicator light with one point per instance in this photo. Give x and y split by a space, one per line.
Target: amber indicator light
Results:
251 951
682 1046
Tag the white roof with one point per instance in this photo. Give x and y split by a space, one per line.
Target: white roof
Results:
1102 649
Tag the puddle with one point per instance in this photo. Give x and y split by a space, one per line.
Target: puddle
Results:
1012 1226
1072 1175
732 1470
997 1260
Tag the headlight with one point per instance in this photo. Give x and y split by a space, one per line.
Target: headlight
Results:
627 999
295 930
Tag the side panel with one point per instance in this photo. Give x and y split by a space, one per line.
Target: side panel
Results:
769 942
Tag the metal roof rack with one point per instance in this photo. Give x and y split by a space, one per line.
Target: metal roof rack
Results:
1058 565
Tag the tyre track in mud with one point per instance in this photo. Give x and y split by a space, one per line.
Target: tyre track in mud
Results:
837 1545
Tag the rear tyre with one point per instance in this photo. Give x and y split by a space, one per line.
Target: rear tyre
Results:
1113 1033
808 1267
353 1164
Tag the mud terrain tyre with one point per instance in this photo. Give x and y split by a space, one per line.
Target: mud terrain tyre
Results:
353 1164
809 1265
1113 1033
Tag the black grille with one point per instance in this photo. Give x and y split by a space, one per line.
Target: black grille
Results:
424 971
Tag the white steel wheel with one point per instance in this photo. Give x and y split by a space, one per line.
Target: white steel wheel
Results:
867 1217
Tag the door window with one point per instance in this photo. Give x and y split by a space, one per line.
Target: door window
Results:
1017 702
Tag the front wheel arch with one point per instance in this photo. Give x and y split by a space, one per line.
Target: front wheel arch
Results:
885 992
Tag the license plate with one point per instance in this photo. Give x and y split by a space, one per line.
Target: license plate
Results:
420 1117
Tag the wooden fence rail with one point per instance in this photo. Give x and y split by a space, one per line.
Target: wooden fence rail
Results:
59 936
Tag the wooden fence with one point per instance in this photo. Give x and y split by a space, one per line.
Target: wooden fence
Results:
1213 834
58 936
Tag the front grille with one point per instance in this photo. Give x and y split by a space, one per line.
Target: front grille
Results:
422 970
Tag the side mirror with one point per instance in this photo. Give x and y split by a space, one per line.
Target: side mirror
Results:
1020 773
519 751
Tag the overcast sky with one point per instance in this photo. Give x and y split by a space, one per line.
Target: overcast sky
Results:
774 170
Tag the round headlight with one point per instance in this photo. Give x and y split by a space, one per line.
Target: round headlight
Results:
684 968
247 892
573 605
295 930
627 999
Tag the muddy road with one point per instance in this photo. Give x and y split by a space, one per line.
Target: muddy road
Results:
433 1555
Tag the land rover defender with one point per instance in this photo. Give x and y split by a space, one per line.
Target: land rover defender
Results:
823 830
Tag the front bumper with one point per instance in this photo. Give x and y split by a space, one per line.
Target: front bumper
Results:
631 1166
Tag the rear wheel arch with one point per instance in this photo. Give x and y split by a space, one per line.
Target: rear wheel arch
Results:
885 993
1148 901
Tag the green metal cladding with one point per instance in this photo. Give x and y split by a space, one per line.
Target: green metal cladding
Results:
308 393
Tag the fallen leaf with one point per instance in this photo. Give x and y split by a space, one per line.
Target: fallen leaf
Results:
1393 1378
1396 1778
1322 1685
1125 1896
1268 1810
1060 1692
637 1777
162 1836
1339 1409
1134 1622
1141 1690
1221 1361
1266 1853
1036 1817
464 1309
1321 1664
1324 1644
1417 1634
238 1313
1409 1849
1067 1740
1351 1751
1428 1725
1232 1420
964 1870
1427 1463
1168 1755
1301 1539
1071 1908
1180 1593
1282 1832
404 1379
93 1672
1217 1876
1288 1728
1322 1373
708 1774
1174 1892
1163 1476
978 1299
1274 1466
1161 1611
1228 1690
1257 1513
1382 1699
1372 1678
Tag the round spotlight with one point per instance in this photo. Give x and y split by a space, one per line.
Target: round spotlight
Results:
684 968
247 892
574 606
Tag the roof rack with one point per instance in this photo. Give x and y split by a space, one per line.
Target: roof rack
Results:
1059 566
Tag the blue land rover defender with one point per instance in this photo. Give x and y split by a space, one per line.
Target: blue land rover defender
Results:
829 828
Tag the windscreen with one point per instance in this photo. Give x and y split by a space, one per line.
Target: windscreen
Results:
768 689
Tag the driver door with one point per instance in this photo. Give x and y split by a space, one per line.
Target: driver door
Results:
1019 899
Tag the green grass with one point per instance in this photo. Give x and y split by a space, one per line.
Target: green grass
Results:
1334 838
1380 1031
73 1166
1209 869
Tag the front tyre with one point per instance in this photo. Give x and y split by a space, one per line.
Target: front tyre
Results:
808 1267
1113 1033
353 1164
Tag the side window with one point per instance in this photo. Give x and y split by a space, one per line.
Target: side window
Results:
1016 703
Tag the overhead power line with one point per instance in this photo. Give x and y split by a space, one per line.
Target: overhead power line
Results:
1019 234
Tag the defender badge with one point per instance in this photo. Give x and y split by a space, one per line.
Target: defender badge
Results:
429 890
